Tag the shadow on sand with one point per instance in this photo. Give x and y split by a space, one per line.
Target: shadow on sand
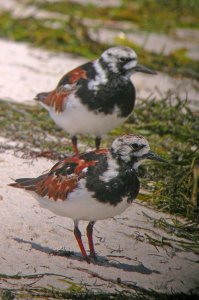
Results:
100 261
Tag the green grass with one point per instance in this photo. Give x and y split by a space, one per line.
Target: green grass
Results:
72 36
172 130
149 15
31 125
55 293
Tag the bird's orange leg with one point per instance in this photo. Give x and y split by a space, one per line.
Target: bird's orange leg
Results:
78 237
89 231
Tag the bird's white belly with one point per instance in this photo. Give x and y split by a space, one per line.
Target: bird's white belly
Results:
77 119
80 205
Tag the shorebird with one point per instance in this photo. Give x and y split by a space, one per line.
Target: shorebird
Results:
95 97
92 186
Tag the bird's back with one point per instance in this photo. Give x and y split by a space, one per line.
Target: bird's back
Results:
100 175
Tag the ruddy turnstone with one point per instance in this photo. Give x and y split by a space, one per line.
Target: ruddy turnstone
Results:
95 97
92 186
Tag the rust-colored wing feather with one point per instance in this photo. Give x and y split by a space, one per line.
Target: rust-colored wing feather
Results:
52 186
65 87
62 179
74 76
56 187
55 99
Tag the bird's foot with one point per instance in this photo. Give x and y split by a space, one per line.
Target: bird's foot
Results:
93 257
87 259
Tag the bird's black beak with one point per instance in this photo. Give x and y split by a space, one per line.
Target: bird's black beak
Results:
143 69
153 156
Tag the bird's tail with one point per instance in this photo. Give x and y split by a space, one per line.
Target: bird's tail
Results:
27 183
41 96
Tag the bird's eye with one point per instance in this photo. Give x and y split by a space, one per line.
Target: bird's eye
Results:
136 147
123 59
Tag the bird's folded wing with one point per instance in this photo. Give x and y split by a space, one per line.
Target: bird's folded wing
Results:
62 179
67 85
50 185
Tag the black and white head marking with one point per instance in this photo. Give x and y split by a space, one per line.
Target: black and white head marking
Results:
130 149
120 59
